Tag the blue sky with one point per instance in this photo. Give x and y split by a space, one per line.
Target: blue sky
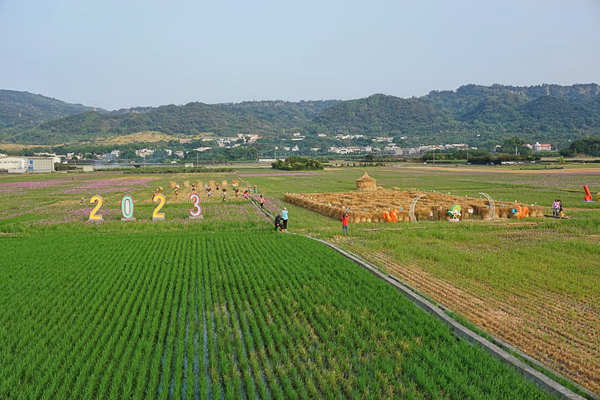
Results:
136 53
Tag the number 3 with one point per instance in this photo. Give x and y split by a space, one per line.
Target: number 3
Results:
197 210
157 215
99 201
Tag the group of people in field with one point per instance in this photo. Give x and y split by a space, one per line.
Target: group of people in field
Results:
281 220
223 191
557 208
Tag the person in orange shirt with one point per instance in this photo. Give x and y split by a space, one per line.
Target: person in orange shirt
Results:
345 219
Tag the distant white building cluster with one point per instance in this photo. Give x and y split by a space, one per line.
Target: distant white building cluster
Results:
394 149
229 142
351 149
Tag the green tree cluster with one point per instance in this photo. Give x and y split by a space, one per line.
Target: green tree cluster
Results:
590 147
295 163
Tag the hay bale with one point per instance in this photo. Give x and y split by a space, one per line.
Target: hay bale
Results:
172 184
186 183
211 184
536 211
365 182
224 183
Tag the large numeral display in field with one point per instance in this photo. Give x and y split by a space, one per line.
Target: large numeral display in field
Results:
196 212
99 201
127 208
156 214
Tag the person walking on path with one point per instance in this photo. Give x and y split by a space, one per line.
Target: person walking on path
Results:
262 202
345 218
277 222
555 208
284 217
224 192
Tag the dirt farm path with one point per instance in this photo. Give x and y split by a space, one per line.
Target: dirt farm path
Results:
560 332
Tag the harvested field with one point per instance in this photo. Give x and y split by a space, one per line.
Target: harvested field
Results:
371 206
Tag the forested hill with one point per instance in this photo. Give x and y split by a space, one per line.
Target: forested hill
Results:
471 114
190 119
380 114
25 110
264 118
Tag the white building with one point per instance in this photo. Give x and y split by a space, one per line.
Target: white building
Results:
27 164
542 146
144 152
344 150
40 164
13 164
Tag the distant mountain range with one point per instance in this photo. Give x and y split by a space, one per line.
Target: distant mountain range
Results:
472 114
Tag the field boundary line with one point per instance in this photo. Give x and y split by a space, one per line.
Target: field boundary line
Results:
462 331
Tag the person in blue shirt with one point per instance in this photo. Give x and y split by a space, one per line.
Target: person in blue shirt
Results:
284 217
